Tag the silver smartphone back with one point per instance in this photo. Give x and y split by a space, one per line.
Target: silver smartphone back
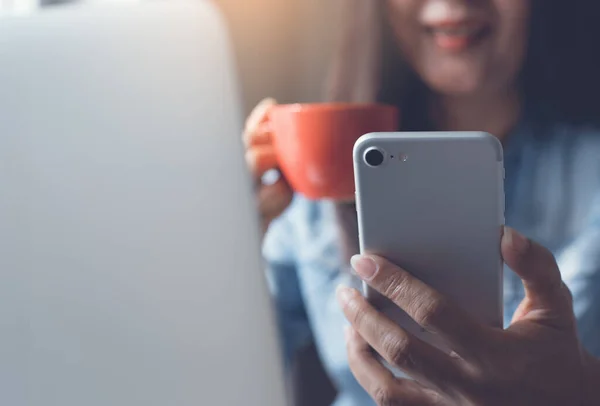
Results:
433 203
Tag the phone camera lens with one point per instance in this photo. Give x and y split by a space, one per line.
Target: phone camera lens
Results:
374 157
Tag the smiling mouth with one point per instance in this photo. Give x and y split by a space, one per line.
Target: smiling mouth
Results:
457 37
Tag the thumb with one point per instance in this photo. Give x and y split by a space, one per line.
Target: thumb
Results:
537 268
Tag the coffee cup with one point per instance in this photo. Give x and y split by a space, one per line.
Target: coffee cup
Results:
314 143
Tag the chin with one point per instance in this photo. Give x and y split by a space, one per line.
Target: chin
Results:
454 86
455 82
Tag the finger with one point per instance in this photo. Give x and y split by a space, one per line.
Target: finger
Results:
537 268
379 382
399 348
260 159
259 136
431 310
259 114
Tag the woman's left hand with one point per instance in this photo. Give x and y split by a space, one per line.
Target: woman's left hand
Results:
537 360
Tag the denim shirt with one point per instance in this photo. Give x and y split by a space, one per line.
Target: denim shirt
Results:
552 192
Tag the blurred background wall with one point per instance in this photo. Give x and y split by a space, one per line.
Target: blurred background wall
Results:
283 47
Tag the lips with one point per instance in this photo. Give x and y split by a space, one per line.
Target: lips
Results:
456 36
455 26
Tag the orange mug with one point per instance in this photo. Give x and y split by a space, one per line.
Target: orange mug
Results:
314 142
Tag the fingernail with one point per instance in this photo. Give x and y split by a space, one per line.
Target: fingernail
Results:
344 294
364 266
516 240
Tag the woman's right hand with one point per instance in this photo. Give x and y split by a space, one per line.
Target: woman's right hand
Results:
273 198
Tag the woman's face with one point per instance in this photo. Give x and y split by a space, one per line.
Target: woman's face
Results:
462 47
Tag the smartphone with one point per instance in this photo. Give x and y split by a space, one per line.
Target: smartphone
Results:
433 203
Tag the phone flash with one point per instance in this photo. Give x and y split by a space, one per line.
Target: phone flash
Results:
403 157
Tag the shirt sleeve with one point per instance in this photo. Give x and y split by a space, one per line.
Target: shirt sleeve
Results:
284 284
580 267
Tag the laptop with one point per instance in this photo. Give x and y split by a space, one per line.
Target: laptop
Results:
130 269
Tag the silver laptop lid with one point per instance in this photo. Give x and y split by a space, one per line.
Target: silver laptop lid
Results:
130 270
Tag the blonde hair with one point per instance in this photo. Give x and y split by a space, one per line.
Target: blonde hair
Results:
354 73
354 76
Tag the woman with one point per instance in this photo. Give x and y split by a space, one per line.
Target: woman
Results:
519 69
